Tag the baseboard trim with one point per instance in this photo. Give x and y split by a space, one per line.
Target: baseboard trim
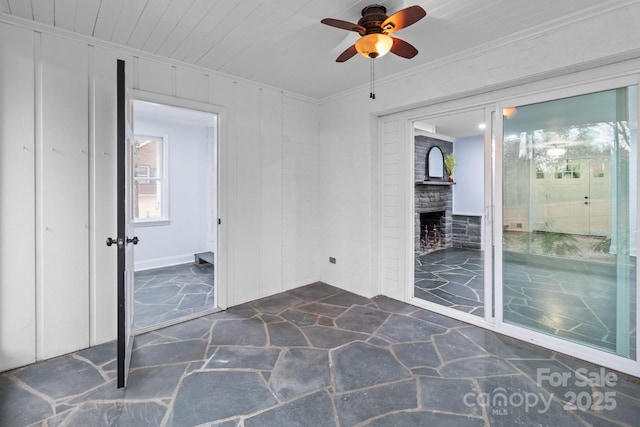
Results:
163 262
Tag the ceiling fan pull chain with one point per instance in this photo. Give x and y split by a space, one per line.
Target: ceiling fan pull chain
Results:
372 94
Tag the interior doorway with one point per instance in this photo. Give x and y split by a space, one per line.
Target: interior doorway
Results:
449 207
175 191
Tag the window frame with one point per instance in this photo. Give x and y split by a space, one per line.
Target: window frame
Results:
163 179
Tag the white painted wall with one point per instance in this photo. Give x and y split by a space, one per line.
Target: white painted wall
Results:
468 193
17 212
57 152
189 196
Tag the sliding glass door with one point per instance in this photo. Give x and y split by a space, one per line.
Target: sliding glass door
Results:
569 216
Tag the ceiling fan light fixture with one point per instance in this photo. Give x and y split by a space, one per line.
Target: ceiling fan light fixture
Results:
374 45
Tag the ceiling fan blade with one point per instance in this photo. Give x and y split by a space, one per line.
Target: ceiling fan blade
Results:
347 54
344 25
403 49
403 18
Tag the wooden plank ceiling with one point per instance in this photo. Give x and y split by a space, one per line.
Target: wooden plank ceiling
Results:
283 44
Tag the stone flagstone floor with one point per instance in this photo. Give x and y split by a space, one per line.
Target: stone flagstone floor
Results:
317 356
567 298
169 293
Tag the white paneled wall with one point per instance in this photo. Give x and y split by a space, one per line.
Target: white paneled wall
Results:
62 195
392 188
102 193
347 132
300 222
270 224
57 109
17 200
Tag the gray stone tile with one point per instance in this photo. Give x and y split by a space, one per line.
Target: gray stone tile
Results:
625 383
148 339
423 419
378 342
504 346
326 337
192 302
448 395
392 306
452 345
157 294
194 329
208 396
239 312
300 371
478 367
276 303
595 420
315 410
356 407
360 365
60 377
346 299
419 354
198 288
175 352
515 397
239 332
230 423
299 318
270 318
243 358
57 420
406 329
326 321
438 319
117 414
361 319
321 309
143 383
18 407
425 372
626 411
285 334
100 354
315 291
539 371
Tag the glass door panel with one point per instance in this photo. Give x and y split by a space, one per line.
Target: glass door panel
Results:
569 219
449 208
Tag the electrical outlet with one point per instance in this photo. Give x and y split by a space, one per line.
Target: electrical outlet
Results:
332 260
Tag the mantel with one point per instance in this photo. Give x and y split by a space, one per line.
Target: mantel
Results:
441 183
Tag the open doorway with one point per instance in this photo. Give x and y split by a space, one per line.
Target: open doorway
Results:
449 205
175 213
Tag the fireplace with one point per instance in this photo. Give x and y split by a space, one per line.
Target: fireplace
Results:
432 231
433 201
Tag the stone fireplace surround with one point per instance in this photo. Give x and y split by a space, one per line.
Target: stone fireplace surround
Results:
460 231
434 198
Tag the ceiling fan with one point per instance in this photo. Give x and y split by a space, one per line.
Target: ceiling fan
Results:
376 29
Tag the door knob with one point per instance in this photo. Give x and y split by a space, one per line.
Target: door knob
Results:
135 240
117 241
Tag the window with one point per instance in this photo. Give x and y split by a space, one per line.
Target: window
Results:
568 171
150 179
